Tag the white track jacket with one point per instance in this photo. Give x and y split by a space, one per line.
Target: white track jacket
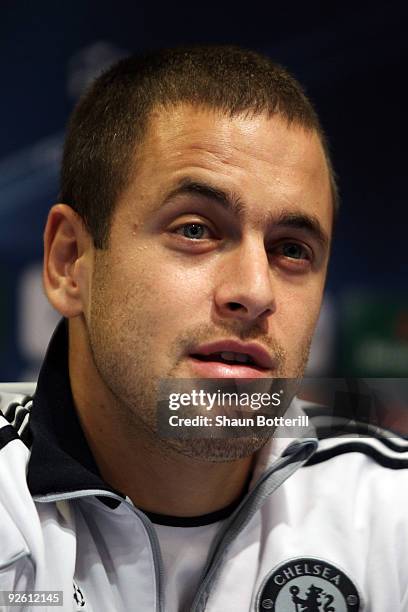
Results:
323 527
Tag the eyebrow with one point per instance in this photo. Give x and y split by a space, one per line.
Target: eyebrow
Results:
226 199
234 204
303 222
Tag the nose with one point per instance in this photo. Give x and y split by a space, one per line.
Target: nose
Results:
244 288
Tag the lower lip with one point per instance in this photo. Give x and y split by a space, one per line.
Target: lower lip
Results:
216 369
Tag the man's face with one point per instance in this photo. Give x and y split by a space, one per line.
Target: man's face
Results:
217 255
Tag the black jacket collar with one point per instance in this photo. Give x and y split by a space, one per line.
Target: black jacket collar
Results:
60 460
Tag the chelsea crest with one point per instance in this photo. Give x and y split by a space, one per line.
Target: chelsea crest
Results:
307 585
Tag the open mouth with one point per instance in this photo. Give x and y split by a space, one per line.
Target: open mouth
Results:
231 358
228 358
240 363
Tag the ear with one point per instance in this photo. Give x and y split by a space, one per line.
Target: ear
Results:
68 258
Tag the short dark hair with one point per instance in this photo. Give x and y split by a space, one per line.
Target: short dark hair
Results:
112 117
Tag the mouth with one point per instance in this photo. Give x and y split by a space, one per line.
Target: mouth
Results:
231 359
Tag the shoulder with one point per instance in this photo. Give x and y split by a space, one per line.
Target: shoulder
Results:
341 437
15 405
354 489
15 442
360 465
16 505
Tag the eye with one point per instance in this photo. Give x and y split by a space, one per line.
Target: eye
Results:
295 256
194 231
293 250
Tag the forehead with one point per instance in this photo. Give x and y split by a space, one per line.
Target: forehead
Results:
263 159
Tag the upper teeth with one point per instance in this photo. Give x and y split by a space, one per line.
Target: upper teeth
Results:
229 356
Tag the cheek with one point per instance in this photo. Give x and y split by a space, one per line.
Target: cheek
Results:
297 313
162 291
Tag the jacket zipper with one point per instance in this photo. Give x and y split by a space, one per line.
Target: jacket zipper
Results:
292 458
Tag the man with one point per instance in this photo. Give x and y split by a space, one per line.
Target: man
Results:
192 242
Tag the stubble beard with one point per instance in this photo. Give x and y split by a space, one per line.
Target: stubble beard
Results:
123 358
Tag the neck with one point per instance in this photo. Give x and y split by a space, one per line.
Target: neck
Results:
134 461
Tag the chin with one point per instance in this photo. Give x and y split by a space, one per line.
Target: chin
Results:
218 450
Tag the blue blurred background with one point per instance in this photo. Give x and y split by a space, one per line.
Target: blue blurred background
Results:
352 60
